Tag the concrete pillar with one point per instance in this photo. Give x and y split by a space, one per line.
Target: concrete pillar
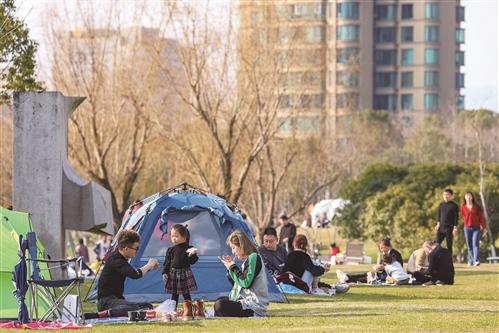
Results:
43 182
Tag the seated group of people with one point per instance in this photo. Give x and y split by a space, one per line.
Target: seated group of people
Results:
431 264
305 274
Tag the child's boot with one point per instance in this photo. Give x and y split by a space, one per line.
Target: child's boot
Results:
199 313
187 313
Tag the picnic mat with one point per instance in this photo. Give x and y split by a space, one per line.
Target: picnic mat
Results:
39 325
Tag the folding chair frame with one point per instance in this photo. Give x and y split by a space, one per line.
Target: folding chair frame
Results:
47 288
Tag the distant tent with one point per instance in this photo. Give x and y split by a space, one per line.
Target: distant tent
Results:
13 224
209 218
326 210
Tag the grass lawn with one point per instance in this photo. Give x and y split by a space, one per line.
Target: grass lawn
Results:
471 305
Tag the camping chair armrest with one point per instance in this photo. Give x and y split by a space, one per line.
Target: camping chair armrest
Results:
52 261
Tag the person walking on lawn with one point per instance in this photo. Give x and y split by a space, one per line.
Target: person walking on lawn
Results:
448 214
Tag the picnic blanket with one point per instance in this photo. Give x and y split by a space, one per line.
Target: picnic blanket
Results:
40 325
290 289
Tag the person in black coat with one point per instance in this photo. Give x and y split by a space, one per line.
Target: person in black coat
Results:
441 267
448 215
299 263
287 233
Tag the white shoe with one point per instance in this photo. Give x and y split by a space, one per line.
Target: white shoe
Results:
342 288
318 291
342 276
370 278
477 263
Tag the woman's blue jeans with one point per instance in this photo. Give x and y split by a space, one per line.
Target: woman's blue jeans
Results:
472 236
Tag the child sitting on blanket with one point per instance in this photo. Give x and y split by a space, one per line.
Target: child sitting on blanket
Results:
395 272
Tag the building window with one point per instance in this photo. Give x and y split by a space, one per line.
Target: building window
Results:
314 34
286 126
459 80
460 35
460 58
318 101
406 79
347 100
430 102
385 79
407 12
406 34
308 11
256 18
307 124
347 10
347 78
460 102
313 79
286 35
431 79
407 57
319 10
385 12
386 57
385 102
431 33
407 101
284 102
384 35
431 56
347 55
460 14
347 32
431 11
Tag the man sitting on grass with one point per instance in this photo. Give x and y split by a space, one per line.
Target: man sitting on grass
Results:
116 270
441 268
273 255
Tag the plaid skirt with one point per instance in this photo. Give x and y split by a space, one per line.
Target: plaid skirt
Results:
180 281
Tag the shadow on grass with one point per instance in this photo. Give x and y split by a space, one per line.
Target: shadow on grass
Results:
327 313
378 297
478 273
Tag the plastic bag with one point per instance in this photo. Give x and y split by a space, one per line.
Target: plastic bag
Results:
166 306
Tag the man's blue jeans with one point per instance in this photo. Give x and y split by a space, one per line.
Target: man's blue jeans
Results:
472 236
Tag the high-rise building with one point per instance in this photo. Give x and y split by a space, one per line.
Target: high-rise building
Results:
401 56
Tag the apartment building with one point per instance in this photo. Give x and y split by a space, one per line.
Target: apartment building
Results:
401 56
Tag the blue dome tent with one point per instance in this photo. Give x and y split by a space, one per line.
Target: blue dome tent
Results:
209 218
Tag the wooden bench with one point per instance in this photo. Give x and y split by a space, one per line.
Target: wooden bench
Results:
493 259
354 253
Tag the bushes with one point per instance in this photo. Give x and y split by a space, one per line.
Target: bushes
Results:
402 201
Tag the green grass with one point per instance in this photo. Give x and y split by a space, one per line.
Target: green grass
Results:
471 305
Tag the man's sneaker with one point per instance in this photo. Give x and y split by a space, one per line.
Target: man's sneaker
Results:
332 292
429 283
477 263
342 276
439 283
342 288
318 291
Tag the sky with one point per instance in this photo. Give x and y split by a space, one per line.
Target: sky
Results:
481 46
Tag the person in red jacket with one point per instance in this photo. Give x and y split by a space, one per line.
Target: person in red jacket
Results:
473 219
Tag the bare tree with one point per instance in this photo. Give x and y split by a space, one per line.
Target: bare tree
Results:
97 57
484 124
234 110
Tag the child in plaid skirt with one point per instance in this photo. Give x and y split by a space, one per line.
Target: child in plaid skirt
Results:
177 273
